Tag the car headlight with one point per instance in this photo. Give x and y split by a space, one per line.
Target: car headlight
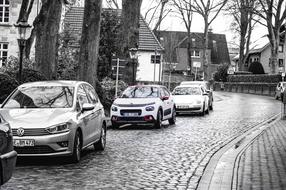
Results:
114 108
150 108
198 101
60 128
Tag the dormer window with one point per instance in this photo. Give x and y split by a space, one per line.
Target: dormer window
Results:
280 48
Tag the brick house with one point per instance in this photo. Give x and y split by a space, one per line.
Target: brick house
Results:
217 51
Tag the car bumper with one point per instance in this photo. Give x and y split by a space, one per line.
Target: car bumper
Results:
47 145
189 109
148 119
7 165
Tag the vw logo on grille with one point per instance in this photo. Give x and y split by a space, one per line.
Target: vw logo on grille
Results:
20 132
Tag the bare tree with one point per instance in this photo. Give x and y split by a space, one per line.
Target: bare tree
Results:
154 16
273 13
243 24
209 10
112 4
46 29
129 33
185 10
89 45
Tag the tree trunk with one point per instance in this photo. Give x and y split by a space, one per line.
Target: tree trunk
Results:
189 49
47 25
89 45
157 25
205 53
243 31
129 37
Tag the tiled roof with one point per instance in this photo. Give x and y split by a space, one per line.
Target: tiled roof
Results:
217 44
147 39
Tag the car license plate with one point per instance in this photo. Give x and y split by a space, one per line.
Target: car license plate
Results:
130 114
23 142
183 107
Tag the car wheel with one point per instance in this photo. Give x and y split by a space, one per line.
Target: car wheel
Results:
207 111
172 120
114 125
76 155
203 111
211 106
100 145
275 96
158 122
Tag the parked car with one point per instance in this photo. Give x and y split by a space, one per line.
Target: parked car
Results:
7 155
207 87
191 99
279 90
143 104
55 118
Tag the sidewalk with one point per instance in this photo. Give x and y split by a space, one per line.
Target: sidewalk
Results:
253 161
263 164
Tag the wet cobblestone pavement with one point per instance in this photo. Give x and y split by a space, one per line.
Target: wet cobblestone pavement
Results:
173 157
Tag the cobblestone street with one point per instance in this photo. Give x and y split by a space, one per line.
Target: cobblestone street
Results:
173 157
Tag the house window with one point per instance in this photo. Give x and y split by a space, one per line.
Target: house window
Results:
194 42
280 48
195 53
246 64
157 59
280 63
4 11
3 53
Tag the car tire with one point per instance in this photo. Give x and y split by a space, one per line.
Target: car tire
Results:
211 106
101 143
76 154
172 120
158 122
207 111
203 111
275 96
114 125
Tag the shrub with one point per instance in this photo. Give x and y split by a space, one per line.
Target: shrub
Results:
7 85
106 91
256 68
221 73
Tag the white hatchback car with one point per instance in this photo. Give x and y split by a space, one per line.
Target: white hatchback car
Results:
143 104
191 99
55 118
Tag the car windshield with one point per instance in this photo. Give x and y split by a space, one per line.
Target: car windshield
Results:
141 92
205 85
187 91
41 97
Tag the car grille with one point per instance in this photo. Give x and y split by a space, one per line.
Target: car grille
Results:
43 149
139 112
32 132
130 119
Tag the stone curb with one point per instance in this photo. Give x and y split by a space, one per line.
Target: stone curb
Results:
221 171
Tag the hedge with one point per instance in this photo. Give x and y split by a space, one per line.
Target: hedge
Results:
7 85
8 81
260 78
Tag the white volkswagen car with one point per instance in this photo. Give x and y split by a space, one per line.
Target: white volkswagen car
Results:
143 104
191 99
55 118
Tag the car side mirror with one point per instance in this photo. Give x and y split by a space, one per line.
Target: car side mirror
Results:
165 98
208 91
87 107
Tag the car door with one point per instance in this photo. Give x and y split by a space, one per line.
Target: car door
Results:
168 103
97 112
85 118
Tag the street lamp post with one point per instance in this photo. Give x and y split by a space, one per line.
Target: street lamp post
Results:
22 30
133 53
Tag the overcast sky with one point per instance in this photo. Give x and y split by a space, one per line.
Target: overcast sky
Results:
220 25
